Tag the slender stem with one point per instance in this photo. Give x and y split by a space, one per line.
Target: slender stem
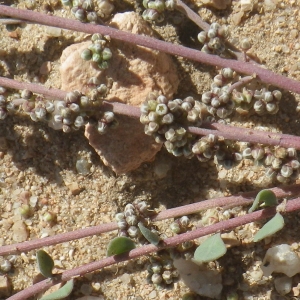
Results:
35 88
221 130
194 17
238 84
292 205
227 131
182 7
57 239
10 21
253 136
239 200
264 75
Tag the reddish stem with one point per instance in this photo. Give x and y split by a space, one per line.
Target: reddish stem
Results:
182 7
221 130
292 205
239 66
240 200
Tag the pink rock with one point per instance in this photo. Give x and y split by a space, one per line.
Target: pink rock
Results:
134 72
123 148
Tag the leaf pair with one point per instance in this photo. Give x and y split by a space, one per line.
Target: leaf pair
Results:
214 247
263 199
46 264
124 244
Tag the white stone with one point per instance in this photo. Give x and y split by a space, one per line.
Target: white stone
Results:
283 285
246 5
281 259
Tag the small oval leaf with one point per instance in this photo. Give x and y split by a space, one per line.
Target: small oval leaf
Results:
211 249
45 263
265 198
119 245
271 227
62 293
150 236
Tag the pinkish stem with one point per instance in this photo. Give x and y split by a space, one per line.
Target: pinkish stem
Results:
241 82
182 7
221 130
292 205
194 17
239 200
264 75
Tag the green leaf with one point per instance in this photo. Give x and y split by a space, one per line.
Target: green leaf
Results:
150 236
271 227
119 245
63 292
45 263
264 198
211 249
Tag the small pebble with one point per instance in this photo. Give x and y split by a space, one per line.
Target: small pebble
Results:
153 295
20 233
45 68
5 286
283 285
86 289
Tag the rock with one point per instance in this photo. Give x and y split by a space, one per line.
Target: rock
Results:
204 282
153 295
45 68
247 5
5 286
73 187
20 233
281 259
125 278
283 284
124 148
75 72
135 72
218 4
230 239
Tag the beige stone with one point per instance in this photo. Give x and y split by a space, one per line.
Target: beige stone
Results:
135 72
20 233
73 187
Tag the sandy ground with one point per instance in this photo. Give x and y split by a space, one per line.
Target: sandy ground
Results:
42 162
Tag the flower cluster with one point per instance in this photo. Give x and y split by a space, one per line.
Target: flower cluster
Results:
155 9
128 220
166 120
68 115
226 96
218 100
161 270
280 163
214 39
88 11
98 52
261 101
